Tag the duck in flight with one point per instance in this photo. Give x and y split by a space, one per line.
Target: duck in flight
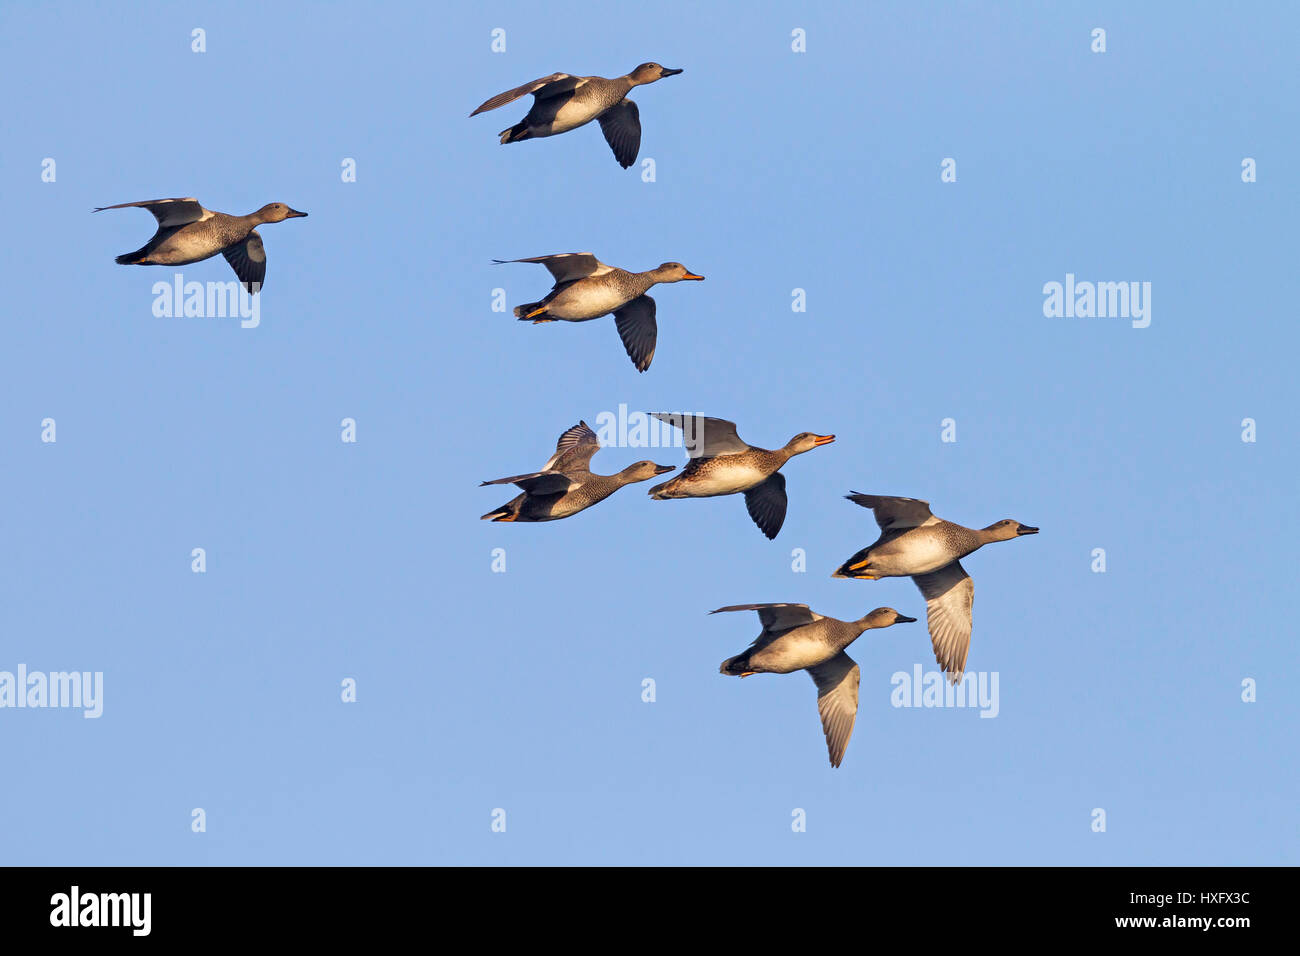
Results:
565 485
585 288
189 233
795 638
914 543
722 464
562 102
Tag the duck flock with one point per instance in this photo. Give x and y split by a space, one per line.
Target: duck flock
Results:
913 542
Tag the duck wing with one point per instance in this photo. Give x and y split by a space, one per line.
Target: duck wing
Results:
248 259
168 212
705 437
621 124
574 449
777 618
894 514
949 596
837 683
543 88
538 482
566 267
766 503
638 330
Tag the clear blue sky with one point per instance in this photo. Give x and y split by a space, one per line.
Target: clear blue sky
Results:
522 690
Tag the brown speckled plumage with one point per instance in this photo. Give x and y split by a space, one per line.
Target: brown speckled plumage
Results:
565 485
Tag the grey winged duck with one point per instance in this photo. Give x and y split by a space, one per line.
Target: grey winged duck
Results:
189 233
585 288
914 543
722 464
565 485
796 638
562 102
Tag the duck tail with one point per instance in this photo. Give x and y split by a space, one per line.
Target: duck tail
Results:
656 491
527 310
515 133
132 258
735 666
504 513
854 567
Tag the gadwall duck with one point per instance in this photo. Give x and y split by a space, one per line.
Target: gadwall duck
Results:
585 288
722 464
562 102
795 638
565 485
189 233
914 543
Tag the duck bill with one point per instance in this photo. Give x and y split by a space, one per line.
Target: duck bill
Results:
668 72
1025 529
823 439
692 275
295 214
664 469
904 619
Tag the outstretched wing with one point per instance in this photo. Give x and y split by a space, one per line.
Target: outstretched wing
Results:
705 437
567 266
949 596
638 330
574 450
894 514
542 88
837 701
537 483
777 617
168 212
248 259
621 125
766 503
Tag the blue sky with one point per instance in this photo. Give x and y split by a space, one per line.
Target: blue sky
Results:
522 690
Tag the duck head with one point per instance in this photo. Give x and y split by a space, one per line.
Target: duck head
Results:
807 441
1006 529
644 471
884 617
649 72
277 212
674 272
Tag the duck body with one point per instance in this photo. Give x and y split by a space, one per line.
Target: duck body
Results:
783 652
585 288
189 233
563 102
914 543
722 464
587 490
721 475
796 638
565 485
193 243
592 297
919 550
585 101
